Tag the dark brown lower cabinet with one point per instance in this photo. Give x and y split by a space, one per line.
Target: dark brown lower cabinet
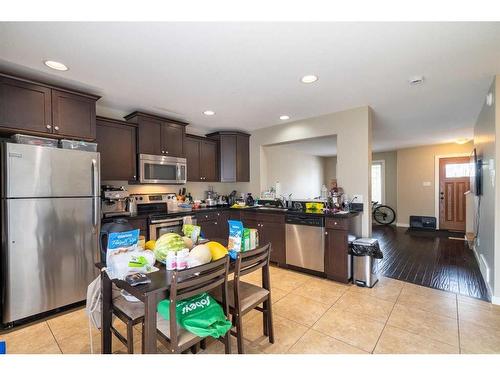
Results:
271 229
140 223
336 256
212 224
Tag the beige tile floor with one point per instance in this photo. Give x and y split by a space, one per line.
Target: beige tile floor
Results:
313 315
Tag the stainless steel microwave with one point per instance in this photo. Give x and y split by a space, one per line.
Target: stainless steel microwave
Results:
155 169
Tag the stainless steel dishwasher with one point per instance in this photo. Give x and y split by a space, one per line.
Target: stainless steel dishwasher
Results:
305 241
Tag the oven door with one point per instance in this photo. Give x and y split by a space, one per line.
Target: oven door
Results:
160 227
161 169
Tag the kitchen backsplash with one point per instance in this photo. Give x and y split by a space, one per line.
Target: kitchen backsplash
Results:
197 189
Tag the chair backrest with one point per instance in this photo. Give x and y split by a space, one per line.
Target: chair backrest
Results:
248 262
193 281
252 260
196 280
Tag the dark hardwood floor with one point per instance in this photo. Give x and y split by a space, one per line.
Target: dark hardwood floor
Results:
430 259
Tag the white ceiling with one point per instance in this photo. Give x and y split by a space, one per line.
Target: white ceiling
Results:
249 72
319 146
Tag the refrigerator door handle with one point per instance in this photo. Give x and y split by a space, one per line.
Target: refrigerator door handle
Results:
95 182
95 213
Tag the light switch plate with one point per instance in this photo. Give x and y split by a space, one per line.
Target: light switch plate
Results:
426 183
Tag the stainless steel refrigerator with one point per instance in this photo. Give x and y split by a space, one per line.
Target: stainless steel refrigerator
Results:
50 227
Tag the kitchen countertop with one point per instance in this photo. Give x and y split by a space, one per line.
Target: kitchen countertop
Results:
252 209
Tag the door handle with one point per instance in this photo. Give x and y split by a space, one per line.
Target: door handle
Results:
95 212
95 182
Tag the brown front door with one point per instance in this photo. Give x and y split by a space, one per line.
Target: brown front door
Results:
453 183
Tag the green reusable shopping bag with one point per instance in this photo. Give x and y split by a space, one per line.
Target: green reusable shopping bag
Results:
200 315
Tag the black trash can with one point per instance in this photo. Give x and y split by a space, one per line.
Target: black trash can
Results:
365 255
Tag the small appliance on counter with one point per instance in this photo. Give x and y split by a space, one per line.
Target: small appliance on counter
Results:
211 197
249 201
211 202
115 201
116 226
231 199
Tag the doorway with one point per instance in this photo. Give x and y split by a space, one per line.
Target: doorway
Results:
454 182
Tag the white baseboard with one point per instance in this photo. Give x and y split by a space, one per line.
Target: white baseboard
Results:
495 300
403 225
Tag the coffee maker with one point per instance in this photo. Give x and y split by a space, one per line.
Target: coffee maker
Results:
115 201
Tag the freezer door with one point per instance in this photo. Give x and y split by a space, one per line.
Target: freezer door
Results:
35 171
52 245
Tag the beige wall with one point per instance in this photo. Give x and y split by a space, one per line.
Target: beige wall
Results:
297 173
391 177
484 141
415 167
197 189
330 170
353 130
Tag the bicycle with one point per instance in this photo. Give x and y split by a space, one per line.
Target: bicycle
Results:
383 214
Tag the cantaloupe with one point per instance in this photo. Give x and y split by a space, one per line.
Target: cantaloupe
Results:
217 250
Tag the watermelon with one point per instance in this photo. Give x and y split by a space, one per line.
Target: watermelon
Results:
168 242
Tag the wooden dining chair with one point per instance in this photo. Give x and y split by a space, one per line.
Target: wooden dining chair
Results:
188 283
130 313
244 297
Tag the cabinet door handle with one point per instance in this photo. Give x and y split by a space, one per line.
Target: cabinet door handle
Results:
215 223
48 126
162 151
326 233
166 152
56 128
134 177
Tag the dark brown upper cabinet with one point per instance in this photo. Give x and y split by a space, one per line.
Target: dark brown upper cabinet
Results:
157 135
201 154
25 106
234 155
116 141
73 115
39 109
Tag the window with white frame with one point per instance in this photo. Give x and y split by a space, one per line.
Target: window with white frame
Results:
378 181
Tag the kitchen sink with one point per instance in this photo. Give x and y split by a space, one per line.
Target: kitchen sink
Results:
266 208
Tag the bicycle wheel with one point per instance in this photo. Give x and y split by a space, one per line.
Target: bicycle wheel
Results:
384 215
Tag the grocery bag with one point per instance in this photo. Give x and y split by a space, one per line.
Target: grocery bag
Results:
200 315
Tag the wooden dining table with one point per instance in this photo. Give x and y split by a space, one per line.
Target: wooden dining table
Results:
150 294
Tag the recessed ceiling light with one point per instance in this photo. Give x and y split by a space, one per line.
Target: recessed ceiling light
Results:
55 65
310 78
284 117
209 113
417 80
462 141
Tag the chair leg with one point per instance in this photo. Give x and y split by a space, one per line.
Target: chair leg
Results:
270 327
142 337
195 348
227 342
265 318
239 333
203 344
130 337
